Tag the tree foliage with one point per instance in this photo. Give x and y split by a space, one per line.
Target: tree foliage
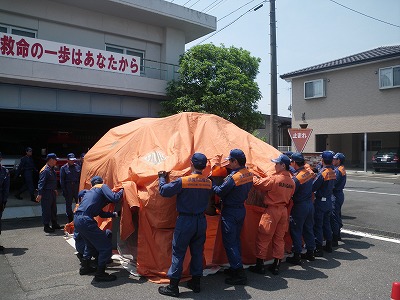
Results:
217 80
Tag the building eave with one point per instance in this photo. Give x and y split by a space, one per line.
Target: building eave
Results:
157 12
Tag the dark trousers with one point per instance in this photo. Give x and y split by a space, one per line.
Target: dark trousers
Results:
231 224
302 226
80 242
49 207
95 239
71 194
1 215
322 222
190 231
28 183
336 217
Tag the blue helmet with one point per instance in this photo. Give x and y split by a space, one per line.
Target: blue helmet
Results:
288 154
297 157
199 160
327 155
96 180
282 159
339 156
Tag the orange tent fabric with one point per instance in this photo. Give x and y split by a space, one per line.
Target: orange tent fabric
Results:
130 156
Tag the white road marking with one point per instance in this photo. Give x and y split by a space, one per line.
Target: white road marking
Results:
370 181
369 192
371 236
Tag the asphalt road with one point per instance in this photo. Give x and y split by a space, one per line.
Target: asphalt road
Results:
37 266
372 204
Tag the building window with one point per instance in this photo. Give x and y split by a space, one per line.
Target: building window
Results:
314 89
18 31
389 77
128 51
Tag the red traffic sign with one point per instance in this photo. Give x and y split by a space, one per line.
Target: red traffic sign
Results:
299 137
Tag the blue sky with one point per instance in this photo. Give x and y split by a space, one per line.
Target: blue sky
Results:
309 32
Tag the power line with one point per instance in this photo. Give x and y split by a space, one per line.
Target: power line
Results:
236 10
194 4
364 14
216 5
212 3
254 8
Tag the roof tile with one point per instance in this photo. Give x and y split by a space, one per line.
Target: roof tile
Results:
376 54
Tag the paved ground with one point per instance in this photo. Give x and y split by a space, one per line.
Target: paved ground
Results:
38 266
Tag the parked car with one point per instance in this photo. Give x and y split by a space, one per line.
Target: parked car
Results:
11 162
387 158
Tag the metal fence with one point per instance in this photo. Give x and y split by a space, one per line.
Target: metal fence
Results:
159 70
285 148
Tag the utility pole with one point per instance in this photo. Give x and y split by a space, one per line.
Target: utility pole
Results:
274 93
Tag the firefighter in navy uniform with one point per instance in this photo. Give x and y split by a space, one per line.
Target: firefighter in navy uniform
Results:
47 194
323 187
96 240
338 197
27 169
79 241
289 154
70 174
192 192
302 213
234 192
82 159
4 191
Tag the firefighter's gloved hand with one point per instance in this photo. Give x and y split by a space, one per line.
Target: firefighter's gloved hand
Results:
162 174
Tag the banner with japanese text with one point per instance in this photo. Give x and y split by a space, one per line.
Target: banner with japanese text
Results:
25 48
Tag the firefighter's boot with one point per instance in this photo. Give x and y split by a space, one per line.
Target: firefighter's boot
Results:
170 290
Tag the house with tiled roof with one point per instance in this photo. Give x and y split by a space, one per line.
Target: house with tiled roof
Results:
352 104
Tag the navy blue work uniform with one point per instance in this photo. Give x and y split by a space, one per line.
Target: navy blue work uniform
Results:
4 190
80 242
337 200
234 192
192 192
302 213
27 169
323 187
47 188
69 181
96 240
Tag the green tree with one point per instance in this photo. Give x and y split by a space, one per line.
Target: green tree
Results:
219 81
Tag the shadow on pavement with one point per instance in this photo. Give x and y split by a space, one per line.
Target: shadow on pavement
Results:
122 279
23 223
15 251
33 222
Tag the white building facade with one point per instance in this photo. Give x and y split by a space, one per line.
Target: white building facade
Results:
68 64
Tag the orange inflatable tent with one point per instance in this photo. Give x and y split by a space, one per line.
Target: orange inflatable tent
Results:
130 156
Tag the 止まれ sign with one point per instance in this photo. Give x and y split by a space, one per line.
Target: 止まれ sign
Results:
299 137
